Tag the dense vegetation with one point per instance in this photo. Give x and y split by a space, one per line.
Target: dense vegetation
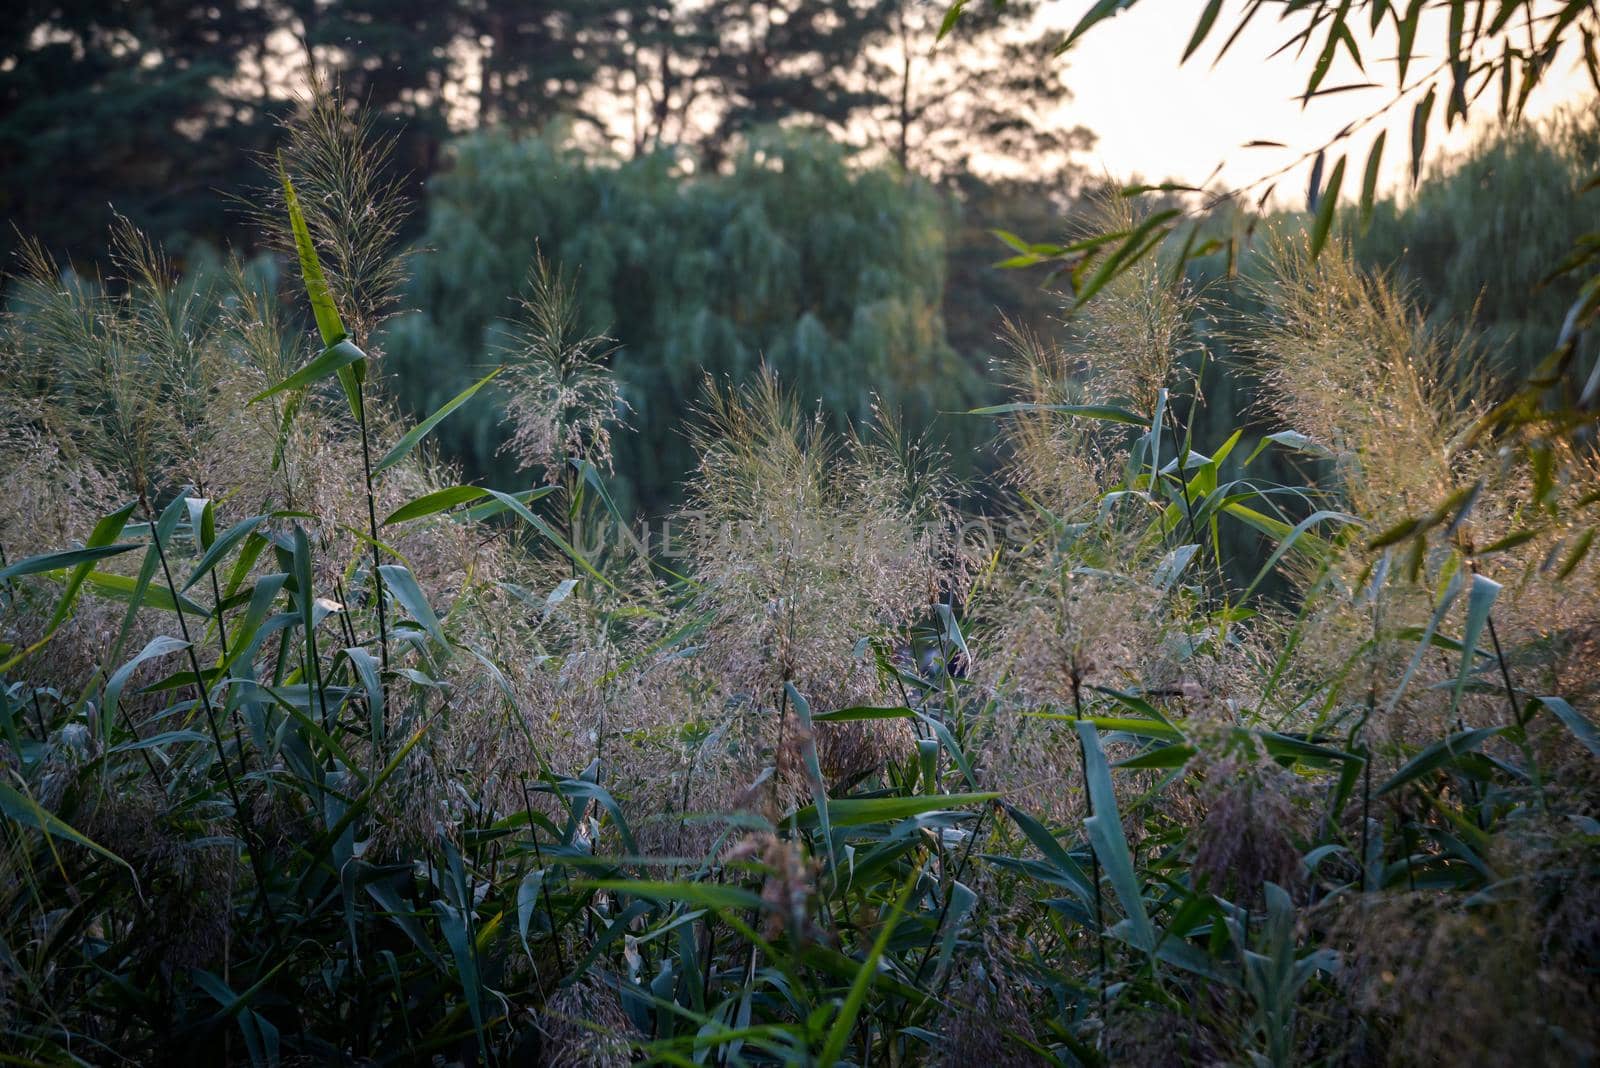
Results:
1483 226
801 258
313 753
793 258
1216 685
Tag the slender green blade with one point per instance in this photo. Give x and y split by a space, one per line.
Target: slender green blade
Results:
317 290
433 503
332 360
403 447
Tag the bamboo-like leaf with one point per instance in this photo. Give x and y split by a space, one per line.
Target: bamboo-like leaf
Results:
1154 729
350 365
105 532
489 509
1288 439
1330 48
456 924
220 547
527 900
135 593
1574 721
316 283
140 592
1314 183
1299 531
521 510
1135 247
948 740
1104 412
1208 18
333 359
1286 746
256 1046
1103 9
1171 567
156 741
433 503
858 713
1069 872
839 1033
1369 179
367 670
1327 206
1438 755
856 811
1250 13
1447 597
291 408
1511 541
25 810
1419 133
1480 600
405 918
58 561
1160 758
580 791
1105 834
1407 35
962 899
1574 557
160 645
951 16
707 895
403 584
808 747
403 447
1399 532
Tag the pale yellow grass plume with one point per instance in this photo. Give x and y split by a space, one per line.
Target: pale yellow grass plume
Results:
52 501
1058 624
263 348
1052 458
563 398
1070 601
1137 329
584 1026
801 547
340 166
1551 595
1348 361
1527 987
1252 828
993 1009
99 391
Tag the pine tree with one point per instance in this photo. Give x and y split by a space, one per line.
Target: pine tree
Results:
143 107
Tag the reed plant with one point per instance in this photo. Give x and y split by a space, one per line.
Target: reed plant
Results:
314 754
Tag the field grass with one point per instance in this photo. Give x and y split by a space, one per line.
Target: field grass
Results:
313 755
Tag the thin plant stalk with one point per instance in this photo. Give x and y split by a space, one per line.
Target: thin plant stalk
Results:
372 531
1366 747
944 910
538 856
1094 859
245 830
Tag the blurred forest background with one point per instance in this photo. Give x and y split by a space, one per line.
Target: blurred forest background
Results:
727 181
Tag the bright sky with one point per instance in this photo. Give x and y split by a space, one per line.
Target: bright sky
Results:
1158 120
